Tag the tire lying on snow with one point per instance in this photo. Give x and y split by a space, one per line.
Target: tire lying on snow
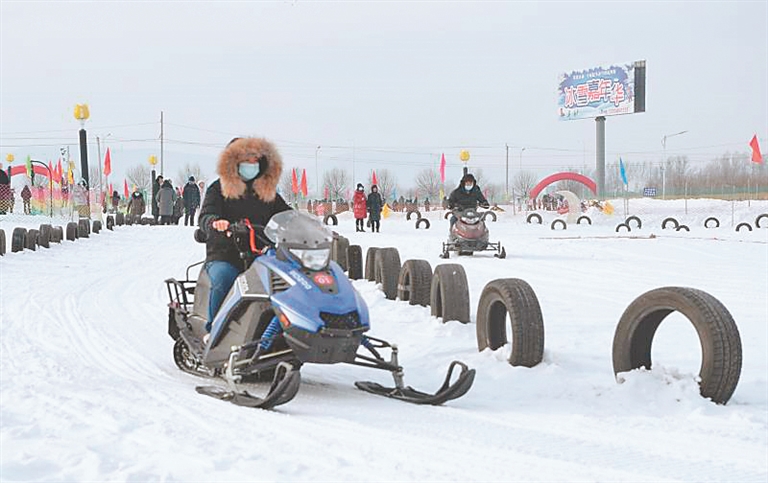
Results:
557 222
44 238
718 334
449 293
711 218
743 225
370 264
82 228
422 221
332 218
355 262
635 219
72 231
511 297
585 218
533 216
669 220
110 222
2 242
413 212
30 243
622 225
760 217
97 226
415 282
57 234
387 271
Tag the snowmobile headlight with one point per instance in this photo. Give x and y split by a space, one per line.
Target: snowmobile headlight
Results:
313 259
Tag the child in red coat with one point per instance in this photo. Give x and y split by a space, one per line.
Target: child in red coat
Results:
359 208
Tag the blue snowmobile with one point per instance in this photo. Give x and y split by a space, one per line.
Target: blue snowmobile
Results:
291 306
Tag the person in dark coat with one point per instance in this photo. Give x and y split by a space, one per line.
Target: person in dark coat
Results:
466 196
6 198
375 205
26 196
249 170
156 185
359 207
191 195
115 201
136 205
166 197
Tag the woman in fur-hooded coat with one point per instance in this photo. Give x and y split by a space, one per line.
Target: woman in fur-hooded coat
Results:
233 199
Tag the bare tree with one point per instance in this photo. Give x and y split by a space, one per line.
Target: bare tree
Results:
387 183
523 183
428 184
140 176
337 181
189 170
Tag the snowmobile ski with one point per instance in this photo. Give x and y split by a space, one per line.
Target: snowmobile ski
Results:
284 387
446 392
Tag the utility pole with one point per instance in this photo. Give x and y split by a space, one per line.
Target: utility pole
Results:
506 192
161 143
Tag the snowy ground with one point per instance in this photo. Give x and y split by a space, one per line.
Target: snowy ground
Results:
89 390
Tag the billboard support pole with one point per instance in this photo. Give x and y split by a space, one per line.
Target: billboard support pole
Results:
600 158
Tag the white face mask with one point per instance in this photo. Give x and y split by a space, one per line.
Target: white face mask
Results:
469 187
248 171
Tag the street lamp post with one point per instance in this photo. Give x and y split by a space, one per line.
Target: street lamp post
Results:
664 162
317 174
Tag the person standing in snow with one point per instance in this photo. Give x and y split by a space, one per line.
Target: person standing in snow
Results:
191 195
166 198
375 204
136 205
26 196
359 207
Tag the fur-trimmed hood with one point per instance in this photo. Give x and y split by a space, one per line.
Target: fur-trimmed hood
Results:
270 168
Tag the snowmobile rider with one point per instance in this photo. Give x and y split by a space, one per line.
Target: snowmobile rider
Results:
466 196
249 170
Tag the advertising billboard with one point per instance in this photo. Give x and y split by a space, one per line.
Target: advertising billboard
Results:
601 91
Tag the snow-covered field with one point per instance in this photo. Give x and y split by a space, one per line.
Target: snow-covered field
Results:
89 390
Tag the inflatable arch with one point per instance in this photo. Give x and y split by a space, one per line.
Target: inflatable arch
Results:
22 169
580 178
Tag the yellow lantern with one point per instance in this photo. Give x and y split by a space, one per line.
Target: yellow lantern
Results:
153 160
464 155
81 112
9 157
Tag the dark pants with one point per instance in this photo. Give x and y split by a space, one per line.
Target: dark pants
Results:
189 217
375 225
222 275
359 223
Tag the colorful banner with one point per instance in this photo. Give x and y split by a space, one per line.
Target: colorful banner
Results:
600 91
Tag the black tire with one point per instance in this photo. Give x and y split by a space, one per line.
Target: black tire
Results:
18 239
2 242
711 218
388 271
332 218
82 228
339 251
415 282
110 222
449 293
44 238
57 234
412 212
533 216
129 220
718 335
119 219
682 227
370 264
584 217
760 217
634 218
423 221
745 225
96 226
669 220
513 297
486 214
31 240
624 225
447 214
558 222
355 261
72 231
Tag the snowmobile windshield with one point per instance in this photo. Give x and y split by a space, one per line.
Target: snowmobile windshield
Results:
303 236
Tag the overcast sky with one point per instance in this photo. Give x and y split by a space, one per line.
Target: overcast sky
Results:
400 81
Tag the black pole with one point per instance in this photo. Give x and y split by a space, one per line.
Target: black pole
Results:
84 157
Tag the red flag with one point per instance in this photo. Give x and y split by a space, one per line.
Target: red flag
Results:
756 156
107 164
373 179
110 188
304 182
294 182
325 193
125 188
58 172
442 168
